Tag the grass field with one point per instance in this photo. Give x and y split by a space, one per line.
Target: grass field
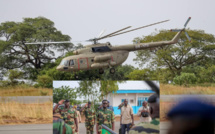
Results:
23 90
168 89
17 113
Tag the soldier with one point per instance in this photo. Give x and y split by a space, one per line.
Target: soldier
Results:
153 126
104 116
90 117
67 114
59 126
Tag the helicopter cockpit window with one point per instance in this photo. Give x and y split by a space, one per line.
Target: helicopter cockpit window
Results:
101 49
64 63
71 62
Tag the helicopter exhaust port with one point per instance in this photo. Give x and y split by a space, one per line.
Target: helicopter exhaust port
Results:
75 52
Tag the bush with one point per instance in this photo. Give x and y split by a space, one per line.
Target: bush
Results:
185 79
44 81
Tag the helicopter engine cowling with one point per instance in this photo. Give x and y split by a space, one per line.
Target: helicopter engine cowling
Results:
102 58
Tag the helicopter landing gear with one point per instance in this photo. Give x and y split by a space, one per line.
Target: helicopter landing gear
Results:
101 70
112 70
76 77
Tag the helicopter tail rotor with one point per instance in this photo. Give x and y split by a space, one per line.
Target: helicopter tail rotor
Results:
185 25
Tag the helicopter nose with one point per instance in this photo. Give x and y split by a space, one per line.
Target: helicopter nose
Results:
59 67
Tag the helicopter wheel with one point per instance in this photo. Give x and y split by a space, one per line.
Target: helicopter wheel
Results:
76 76
112 70
101 70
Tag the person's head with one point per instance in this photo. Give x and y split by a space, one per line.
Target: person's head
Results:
145 103
154 105
104 104
192 116
89 104
126 102
67 103
75 107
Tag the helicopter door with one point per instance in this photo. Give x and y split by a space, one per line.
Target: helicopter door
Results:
83 63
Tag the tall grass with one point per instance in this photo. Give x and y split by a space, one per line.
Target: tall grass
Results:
17 113
168 89
24 90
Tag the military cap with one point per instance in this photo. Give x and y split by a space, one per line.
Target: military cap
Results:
192 108
67 100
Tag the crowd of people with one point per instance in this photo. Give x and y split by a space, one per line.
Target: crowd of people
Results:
66 119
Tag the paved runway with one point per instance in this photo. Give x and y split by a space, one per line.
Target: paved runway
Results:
27 99
164 126
26 129
169 98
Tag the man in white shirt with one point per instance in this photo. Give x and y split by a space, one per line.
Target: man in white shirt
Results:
144 113
127 119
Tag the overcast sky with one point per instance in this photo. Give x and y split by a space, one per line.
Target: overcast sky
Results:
85 19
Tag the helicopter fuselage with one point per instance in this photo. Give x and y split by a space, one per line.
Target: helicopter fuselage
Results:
92 60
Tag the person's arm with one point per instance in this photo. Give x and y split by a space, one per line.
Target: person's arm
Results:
56 107
120 105
97 123
132 116
83 107
79 116
113 120
139 112
76 123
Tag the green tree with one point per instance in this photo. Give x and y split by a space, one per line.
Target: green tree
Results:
13 76
44 81
64 92
96 90
176 57
15 53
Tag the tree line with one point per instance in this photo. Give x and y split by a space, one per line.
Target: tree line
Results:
183 63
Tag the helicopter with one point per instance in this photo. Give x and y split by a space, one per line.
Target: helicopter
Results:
103 55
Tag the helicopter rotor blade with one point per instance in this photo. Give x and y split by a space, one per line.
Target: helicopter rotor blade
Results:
188 37
187 21
60 42
132 30
113 33
102 32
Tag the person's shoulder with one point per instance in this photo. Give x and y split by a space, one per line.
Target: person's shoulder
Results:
145 128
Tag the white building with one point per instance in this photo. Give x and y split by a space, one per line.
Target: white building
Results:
135 91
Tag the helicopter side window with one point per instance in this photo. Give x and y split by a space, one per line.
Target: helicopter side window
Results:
64 63
101 49
72 62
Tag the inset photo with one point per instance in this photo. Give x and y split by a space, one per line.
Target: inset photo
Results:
97 107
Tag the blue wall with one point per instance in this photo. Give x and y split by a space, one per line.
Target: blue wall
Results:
118 111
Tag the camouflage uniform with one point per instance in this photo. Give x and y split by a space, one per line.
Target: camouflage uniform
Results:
146 128
105 117
59 125
65 114
89 119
